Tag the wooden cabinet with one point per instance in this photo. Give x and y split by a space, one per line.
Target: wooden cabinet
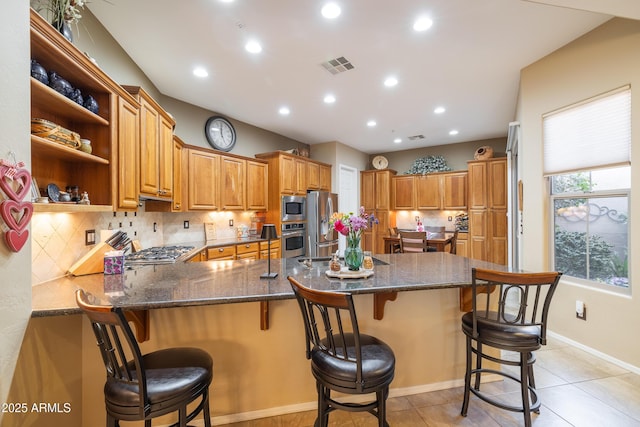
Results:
488 210
292 175
221 253
275 249
203 180
179 181
127 160
436 191
257 186
248 251
375 191
232 193
462 248
325 177
156 147
97 173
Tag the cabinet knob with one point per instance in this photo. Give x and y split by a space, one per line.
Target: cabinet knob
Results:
220 250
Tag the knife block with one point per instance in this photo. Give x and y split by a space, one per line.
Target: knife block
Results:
92 262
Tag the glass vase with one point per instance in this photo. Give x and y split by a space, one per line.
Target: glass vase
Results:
353 255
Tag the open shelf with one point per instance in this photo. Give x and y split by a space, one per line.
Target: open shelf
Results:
70 208
61 152
42 96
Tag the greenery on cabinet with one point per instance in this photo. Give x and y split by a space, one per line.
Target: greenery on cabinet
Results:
428 164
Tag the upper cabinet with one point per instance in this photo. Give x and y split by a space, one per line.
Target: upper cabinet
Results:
156 147
436 191
203 180
98 172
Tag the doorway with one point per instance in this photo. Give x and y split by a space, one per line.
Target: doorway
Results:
348 194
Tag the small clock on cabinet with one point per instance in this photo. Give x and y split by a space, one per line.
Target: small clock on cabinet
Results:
220 133
380 162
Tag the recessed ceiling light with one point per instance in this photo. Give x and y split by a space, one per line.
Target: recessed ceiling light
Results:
423 23
371 123
227 1
253 46
200 72
453 132
329 99
284 111
439 110
397 140
331 10
390 81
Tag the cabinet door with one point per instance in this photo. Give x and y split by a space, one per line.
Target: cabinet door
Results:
288 182
257 186
313 176
497 236
232 192
128 186
325 178
165 159
301 177
428 194
461 248
497 183
203 173
380 231
478 234
403 191
477 185
149 126
454 191
368 190
178 178
383 190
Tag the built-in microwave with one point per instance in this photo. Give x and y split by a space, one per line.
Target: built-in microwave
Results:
294 208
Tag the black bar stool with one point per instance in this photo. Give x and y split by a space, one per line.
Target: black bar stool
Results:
142 387
513 319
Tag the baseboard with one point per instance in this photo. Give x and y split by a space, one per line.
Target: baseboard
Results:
311 406
594 352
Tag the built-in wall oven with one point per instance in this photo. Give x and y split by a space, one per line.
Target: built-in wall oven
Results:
293 208
294 236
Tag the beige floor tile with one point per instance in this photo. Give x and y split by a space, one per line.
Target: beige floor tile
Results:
582 409
620 392
449 415
436 397
574 365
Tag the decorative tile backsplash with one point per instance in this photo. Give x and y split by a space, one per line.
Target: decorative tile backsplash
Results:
58 239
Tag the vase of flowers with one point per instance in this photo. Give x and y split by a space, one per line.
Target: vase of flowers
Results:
62 13
351 226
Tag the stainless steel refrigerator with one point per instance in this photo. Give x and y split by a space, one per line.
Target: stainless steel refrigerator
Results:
322 240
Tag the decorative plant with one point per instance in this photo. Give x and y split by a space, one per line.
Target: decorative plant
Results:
352 225
67 11
428 164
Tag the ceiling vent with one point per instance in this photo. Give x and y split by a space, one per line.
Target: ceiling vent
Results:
415 137
338 65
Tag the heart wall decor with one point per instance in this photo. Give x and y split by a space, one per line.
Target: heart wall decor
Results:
15 182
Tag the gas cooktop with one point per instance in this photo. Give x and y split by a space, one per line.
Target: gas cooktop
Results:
158 255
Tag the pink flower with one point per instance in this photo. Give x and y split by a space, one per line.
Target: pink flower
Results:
341 228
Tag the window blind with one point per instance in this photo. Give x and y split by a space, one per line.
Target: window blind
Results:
589 135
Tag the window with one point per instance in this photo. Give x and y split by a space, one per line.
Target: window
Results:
591 226
587 161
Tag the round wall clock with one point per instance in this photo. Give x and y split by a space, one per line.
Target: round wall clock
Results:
380 162
220 133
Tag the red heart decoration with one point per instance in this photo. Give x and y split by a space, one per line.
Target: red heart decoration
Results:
22 210
22 177
16 239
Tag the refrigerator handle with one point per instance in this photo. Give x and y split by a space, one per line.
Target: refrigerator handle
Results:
329 213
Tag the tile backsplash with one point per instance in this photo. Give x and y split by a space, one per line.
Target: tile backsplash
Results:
58 239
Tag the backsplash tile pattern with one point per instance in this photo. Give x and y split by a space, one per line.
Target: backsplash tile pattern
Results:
58 239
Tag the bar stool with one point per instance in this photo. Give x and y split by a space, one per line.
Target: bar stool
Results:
512 319
142 387
342 359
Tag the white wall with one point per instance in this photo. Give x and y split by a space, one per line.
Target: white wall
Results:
15 286
604 59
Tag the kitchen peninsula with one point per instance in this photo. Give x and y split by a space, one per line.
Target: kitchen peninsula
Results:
217 306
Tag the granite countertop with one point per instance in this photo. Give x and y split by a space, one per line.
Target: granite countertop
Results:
222 282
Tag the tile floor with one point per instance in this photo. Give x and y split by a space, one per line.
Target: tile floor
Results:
576 389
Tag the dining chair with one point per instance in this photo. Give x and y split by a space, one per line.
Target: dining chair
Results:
453 246
414 241
342 359
142 387
512 319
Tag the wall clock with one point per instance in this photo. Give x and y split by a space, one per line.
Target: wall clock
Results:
220 133
380 162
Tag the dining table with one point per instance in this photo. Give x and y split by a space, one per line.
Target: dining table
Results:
440 242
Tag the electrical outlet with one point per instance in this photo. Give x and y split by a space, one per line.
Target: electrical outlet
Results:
155 227
89 237
185 224
581 310
230 223
450 218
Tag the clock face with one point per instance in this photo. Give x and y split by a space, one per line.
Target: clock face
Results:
220 133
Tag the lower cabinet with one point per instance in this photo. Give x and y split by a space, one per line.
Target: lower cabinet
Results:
275 249
221 253
461 246
248 251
